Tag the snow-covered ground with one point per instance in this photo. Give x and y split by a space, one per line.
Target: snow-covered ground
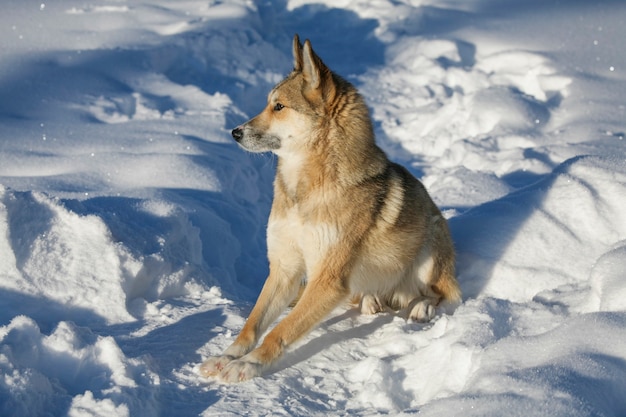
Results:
132 227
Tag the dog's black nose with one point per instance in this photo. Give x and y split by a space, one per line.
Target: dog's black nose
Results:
237 133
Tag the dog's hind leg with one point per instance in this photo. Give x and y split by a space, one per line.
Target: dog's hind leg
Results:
435 276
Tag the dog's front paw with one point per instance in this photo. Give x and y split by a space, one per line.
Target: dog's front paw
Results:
213 366
240 370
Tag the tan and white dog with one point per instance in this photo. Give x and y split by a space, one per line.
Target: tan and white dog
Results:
344 217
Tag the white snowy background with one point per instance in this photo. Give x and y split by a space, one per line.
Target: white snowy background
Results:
132 228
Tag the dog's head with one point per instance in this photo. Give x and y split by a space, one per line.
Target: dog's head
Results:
296 107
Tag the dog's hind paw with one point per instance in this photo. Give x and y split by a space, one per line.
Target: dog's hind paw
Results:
421 310
214 366
370 304
240 370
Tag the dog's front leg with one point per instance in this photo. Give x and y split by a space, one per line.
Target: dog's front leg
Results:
319 298
280 288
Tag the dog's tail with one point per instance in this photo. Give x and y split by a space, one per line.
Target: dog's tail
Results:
444 283
448 289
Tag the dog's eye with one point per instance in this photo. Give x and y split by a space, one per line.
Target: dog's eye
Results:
278 107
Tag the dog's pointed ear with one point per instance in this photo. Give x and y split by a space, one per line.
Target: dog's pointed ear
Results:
297 53
317 76
311 66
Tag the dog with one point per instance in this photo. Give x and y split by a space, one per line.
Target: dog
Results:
345 217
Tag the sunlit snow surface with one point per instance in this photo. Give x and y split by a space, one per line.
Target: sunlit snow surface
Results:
132 228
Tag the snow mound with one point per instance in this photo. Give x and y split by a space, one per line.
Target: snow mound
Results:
78 265
578 210
443 92
547 375
70 368
607 280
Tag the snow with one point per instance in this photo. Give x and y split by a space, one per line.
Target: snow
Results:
132 228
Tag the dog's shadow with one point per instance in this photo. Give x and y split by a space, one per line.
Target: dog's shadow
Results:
320 343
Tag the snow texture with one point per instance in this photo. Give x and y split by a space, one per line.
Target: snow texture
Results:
132 228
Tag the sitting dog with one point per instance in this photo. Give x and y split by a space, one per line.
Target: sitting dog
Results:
343 216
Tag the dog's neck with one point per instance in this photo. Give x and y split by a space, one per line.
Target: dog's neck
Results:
299 174
289 172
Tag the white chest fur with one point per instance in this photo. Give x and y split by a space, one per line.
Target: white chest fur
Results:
289 236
